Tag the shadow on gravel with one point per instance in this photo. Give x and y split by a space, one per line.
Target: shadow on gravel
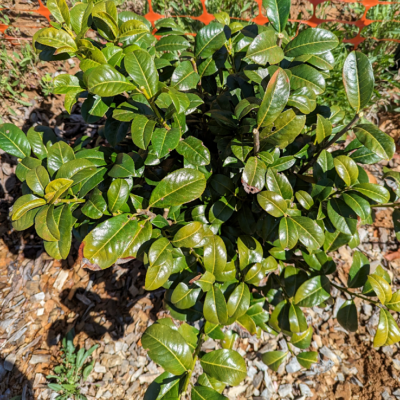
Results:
108 304
13 383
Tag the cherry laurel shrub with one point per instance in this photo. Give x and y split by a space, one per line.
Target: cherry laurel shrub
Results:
215 167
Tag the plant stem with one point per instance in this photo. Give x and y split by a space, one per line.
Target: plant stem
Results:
256 134
280 38
354 294
394 205
155 109
326 144
68 201
195 358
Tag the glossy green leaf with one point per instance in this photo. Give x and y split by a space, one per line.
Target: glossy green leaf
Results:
346 169
278 13
288 235
139 235
250 251
307 358
304 75
253 177
313 292
215 308
297 320
46 223
117 194
302 340
185 77
381 287
264 49
209 39
190 235
388 331
108 241
347 316
194 151
239 301
106 81
95 206
359 270
37 179
202 392
164 387
310 233
141 67
65 220
358 80
373 191
255 274
358 204
287 127
168 348
375 140
274 359
304 199
184 296
59 154
206 281
59 10
272 203
225 365
394 302
164 141
56 189
13 141
324 128
56 38
215 255
275 98
179 187
311 41
278 183
160 259
142 131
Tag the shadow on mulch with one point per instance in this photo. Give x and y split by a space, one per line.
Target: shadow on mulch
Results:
14 384
106 306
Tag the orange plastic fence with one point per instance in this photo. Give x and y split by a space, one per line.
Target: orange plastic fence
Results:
206 17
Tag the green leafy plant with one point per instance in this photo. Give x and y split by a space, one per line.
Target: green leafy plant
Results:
215 167
73 370
16 70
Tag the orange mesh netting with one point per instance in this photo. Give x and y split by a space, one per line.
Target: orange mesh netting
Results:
206 17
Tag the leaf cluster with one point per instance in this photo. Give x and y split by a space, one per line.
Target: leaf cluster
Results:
215 168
